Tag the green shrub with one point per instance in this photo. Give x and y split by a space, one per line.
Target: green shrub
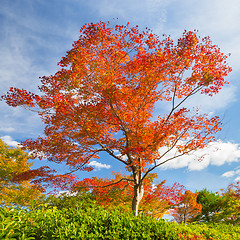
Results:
93 222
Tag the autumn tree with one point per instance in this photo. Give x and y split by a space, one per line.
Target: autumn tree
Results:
103 99
188 208
160 199
14 161
157 200
231 204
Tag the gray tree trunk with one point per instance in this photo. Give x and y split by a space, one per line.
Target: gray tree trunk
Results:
138 195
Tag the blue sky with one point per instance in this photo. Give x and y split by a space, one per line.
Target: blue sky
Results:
35 34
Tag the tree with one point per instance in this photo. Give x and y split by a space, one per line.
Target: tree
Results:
160 199
14 161
231 208
219 207
157 200
188 207
66 200
212 205
103 97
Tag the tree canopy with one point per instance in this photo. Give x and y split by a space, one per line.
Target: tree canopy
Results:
14 161
103 98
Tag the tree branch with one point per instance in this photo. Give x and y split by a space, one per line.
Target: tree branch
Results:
111 184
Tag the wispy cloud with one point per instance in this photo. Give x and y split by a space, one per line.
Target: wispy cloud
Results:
98 165
19 122
207 104
232 174
139 12
30 47
7 129
216 153
229 174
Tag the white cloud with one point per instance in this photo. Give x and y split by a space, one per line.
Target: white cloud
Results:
237 179
123 157
224 98
9 141
99 165
216 153
231 174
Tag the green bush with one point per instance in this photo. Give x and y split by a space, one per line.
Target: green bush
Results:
93 222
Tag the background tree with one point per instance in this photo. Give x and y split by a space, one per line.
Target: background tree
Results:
103 97
188 207
219 207
66 200
212 205
231 208
160 199
14 161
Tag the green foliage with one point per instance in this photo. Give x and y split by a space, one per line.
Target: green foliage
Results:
231 207
212 205
66 200
93 222
216 207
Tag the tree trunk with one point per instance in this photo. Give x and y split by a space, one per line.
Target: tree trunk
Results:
138 195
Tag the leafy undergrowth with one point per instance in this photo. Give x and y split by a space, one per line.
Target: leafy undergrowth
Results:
96 223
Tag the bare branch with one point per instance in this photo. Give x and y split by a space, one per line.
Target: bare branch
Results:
173 145
197 89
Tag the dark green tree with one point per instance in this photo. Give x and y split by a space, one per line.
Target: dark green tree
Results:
212 206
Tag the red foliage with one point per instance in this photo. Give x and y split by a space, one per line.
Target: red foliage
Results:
103 97
187 207
158 198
